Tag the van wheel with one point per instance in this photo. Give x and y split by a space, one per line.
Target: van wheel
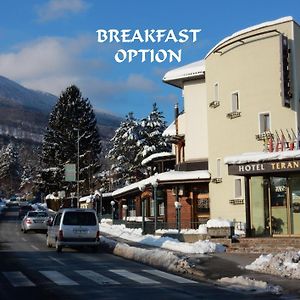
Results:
49 245
58 248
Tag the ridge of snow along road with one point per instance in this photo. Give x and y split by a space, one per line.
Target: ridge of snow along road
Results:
135 235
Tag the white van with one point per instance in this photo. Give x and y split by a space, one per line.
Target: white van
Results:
72 227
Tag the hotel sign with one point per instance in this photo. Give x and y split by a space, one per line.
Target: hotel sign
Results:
255 168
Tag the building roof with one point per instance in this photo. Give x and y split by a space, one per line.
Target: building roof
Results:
164 178
156 156
249 29
261 156
176 77
170 130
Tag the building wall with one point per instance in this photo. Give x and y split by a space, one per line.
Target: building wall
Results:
195 108
254 70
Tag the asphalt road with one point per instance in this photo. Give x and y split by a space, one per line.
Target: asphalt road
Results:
30 270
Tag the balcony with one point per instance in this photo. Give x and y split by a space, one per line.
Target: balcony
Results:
216 180
214 104
233 115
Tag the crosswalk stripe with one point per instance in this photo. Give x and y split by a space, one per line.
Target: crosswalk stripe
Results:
135 277
96 277
169 276
58 278
18 279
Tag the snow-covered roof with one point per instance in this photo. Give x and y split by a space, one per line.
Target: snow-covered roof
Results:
249 29
260 156
156 155
170 130
193 70
166 177
86 199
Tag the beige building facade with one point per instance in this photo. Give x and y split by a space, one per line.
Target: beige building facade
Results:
244 97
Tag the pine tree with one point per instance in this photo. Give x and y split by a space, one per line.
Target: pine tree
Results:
10 169
72 125
152 128
125 146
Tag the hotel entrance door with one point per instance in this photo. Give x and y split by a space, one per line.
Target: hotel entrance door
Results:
275 205
284 201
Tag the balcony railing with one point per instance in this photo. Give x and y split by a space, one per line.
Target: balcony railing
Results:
233 114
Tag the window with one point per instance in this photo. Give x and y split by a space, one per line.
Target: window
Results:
264 122
79 218
237 188
216 92
219 168
235 102
152 205
161 209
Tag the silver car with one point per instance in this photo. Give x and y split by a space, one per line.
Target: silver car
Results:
73 227
35 220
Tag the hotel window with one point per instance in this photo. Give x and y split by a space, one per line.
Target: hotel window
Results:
264 122
161 209
235 102
238 188
219 168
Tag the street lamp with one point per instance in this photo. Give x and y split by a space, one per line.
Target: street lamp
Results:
125 207
100 204
142 188
112 203
78 168
155 185
178 207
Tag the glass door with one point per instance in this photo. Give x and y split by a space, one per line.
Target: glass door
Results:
279 206
294 184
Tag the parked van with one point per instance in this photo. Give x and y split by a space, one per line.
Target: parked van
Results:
72 227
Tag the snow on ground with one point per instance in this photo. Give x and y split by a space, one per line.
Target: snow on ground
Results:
154 257
284 264
248 284
135 235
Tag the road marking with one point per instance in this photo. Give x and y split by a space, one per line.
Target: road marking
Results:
24 240
34 247
134 277
169 276
58 278
96 277
57 260
18 279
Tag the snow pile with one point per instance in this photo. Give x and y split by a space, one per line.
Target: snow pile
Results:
202 229
246 283
155 258
284 264
218 223
135 235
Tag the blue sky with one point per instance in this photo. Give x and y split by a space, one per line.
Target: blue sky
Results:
50 44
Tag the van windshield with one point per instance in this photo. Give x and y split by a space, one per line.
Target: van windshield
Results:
79 218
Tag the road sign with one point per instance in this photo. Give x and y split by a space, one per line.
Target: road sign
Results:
70 172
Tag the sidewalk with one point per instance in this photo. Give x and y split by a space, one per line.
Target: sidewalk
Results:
219 265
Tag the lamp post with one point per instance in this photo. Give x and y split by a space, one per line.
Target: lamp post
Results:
100 204
178 207
112 203
78 167
142 188
125 207
155 185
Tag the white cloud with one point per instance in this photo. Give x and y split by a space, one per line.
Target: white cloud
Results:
139 82
47 64
51 64
55 9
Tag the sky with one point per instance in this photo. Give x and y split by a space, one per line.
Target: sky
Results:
48 45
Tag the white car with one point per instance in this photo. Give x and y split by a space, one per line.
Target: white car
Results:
73 227
34 220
